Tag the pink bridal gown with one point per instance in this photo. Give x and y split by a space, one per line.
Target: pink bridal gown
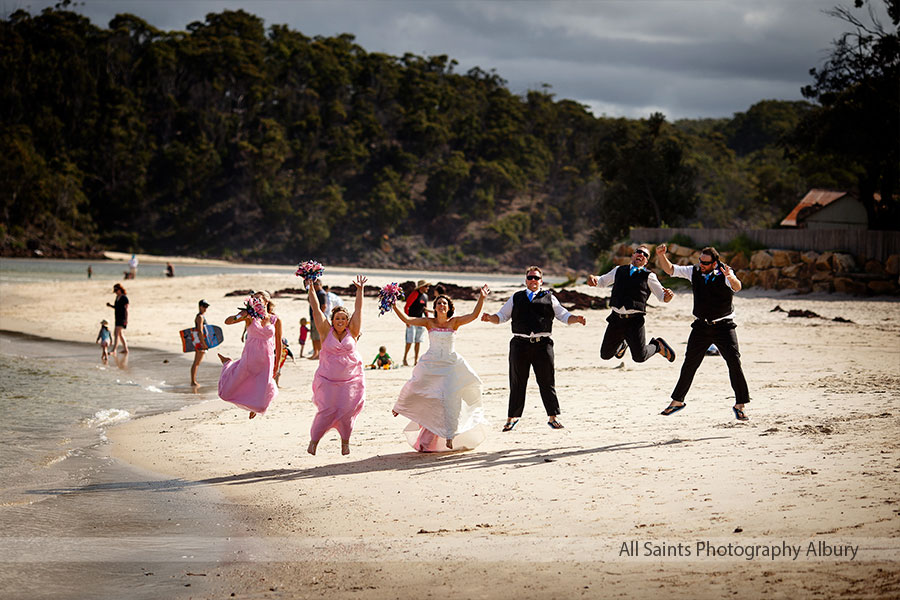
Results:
338 387
247 381
442 399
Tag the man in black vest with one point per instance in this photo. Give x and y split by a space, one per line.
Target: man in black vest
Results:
532 311
714 285
632 285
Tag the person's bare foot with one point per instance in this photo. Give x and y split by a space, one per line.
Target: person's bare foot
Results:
312 448
405 364
124 350
252 414
195 384
345 447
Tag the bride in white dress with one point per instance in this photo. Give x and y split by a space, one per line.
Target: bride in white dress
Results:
442 400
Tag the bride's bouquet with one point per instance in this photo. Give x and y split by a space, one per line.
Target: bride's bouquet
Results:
388 296
310 269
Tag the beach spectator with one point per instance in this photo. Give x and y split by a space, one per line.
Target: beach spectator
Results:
133 266
321 297
714 285
282 358
90 271
382 359
443 396
632 285
331 299
200 338
304 332
339 384
121 316
103 338
170 270
532 311
416 307
249 382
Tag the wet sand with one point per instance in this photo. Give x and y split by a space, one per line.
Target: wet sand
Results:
539 513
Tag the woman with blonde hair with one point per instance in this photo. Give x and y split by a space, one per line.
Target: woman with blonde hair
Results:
249 382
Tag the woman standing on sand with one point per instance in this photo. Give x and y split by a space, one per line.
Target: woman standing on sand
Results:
249 381
443 398
339 385
121 308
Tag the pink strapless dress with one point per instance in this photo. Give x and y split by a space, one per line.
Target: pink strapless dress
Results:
339 387
247 381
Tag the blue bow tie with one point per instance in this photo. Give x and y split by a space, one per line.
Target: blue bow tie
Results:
709 276
635 269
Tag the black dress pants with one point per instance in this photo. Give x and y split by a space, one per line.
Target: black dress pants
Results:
721 334
630 329
523 356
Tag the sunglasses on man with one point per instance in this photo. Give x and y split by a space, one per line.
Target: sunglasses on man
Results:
707 262
533 277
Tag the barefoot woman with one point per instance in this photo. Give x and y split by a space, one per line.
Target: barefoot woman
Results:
249 381
338 387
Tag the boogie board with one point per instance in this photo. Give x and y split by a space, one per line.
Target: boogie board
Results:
190 341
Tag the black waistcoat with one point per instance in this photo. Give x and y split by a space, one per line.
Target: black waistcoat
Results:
712 300
630 291
532 317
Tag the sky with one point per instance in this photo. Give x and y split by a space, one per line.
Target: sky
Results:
620 58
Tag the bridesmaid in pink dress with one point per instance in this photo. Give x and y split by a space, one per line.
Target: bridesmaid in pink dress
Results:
249 381
338 387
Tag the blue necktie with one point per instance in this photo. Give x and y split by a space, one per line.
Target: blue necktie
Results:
530 295
709 276
635 270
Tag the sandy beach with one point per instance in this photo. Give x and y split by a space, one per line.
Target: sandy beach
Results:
623 502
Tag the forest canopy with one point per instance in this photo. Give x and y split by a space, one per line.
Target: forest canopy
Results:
234 140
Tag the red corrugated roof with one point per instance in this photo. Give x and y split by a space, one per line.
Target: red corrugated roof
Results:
815 199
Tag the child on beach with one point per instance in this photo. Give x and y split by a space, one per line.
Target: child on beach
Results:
103 339
304 332
382 360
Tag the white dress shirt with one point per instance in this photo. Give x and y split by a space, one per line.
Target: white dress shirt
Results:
652 281
561 314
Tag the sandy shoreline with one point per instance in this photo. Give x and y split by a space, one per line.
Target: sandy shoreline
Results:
536 512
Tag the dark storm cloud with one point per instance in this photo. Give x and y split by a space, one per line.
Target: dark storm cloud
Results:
686 58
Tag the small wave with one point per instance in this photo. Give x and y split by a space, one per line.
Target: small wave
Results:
108 416
56 459
153 388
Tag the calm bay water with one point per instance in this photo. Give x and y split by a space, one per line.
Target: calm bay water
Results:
58 399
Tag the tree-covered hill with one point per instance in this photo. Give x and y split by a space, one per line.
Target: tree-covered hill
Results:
233 140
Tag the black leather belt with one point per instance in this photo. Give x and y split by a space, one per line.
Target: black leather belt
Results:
714 322
627 315
534 339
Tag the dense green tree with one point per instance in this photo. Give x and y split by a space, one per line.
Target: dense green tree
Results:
858 117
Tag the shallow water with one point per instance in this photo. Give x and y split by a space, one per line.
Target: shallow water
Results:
60 489
58 399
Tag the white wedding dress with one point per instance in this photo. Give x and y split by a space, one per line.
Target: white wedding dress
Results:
442 399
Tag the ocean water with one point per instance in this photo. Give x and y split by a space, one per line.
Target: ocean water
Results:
57 400
74 522
23 270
